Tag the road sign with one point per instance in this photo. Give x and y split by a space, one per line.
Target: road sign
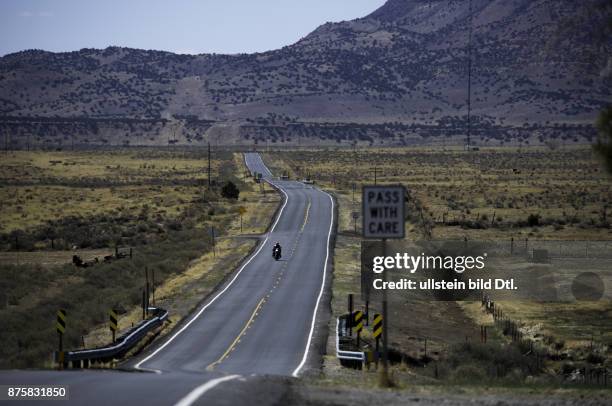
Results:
377 326
383 211
355 215
113 324
383 218
61 321
358 321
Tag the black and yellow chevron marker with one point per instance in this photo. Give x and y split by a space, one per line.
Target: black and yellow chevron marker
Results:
61 321
358 321
377 325
113 324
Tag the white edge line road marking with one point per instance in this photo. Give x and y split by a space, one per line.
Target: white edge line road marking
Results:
202 389
137 366
314 313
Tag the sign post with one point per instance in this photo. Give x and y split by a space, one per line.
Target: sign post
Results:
355 216
383 217
241 210
350 310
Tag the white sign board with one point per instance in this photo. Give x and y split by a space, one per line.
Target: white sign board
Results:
383 211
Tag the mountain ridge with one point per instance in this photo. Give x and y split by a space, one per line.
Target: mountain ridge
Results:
402 67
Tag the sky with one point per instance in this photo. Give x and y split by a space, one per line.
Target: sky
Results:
181 26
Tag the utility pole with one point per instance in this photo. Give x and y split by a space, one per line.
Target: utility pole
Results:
143 304
209 165
153 285
469 98
173 141
147 291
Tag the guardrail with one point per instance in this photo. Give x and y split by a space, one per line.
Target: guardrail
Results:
345 347
82 358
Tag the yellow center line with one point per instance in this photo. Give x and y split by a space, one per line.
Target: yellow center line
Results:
237 339
261 302
306 215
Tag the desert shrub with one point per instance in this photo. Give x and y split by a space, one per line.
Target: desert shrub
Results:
468 373
174 225
533 220
29 334
475 362
595 358
230 190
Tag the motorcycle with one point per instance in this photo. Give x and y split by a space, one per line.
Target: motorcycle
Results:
276 253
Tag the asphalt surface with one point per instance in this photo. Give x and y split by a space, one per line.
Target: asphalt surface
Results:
260 321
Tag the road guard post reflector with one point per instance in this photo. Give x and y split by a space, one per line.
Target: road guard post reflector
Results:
61 321
113 324
377 326
377 329
60 326
358 322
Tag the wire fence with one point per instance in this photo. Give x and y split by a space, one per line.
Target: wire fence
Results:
546 249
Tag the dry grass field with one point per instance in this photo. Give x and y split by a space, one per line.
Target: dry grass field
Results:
494 194
40 186
59 204
487 194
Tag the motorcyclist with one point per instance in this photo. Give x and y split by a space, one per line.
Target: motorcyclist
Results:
277 248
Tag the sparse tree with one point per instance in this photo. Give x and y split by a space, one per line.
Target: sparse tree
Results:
230 190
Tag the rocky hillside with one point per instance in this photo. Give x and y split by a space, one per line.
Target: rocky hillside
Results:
540 70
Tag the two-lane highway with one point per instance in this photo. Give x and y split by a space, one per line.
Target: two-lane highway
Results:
260 321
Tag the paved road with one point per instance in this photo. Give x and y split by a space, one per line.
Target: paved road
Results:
261 321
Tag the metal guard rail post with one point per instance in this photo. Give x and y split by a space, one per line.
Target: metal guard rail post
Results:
124 343
346 357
